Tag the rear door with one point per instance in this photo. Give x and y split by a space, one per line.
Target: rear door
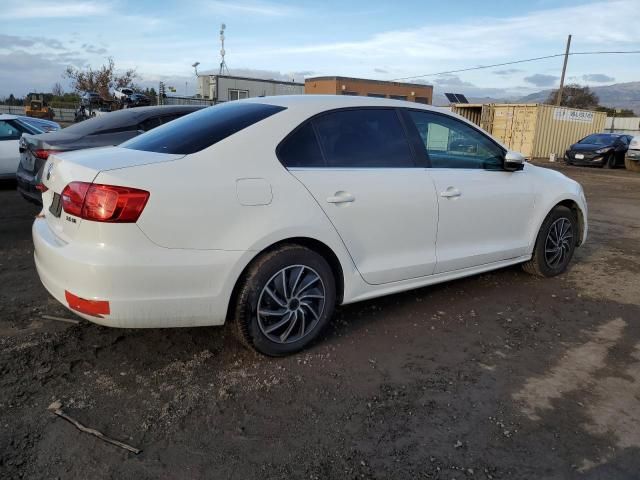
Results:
359 166
483 210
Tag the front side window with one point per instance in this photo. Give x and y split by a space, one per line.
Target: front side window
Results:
363 138
450 143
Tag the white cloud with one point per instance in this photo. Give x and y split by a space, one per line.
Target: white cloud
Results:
54 9
265 9
486 38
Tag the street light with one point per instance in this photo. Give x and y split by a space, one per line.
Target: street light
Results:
195 66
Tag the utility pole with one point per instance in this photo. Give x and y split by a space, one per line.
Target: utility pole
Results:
564 70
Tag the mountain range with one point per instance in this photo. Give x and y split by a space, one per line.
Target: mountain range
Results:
618 95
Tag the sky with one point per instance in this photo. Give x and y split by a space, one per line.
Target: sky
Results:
297 39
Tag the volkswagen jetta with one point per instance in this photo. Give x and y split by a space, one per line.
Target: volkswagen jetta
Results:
269 212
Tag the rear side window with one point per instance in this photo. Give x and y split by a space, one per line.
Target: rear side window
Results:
301 149
202 129
363 138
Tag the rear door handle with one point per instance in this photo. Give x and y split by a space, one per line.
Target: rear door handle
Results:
450 192
341 197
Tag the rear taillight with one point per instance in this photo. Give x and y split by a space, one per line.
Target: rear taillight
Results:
104 203
43 154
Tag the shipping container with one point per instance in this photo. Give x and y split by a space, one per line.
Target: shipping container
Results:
533 129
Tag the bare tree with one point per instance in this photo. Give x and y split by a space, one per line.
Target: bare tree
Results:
57 90
102 80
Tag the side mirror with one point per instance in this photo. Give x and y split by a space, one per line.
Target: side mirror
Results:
513 161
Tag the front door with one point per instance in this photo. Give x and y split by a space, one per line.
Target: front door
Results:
484 211
358 165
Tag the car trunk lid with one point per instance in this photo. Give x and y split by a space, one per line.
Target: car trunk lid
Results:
84 166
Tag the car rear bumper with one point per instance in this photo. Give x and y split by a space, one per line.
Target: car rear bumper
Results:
26 183
145 285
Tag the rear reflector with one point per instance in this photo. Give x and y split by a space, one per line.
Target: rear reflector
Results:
95 308
104 203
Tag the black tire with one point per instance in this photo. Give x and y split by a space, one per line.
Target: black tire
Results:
610 161
539 264
250 327
632 165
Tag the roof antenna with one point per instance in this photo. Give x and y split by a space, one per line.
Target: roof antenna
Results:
223 64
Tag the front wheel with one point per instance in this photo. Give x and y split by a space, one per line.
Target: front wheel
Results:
610 161
285 299
555 244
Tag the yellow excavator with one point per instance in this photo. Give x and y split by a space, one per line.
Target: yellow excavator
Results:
35 106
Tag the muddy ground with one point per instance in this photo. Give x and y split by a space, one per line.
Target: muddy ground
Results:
501 376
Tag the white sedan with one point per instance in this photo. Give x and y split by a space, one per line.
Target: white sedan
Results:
269 212
11 129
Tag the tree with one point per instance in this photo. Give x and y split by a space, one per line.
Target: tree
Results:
616 112
575 96
102 80
57 90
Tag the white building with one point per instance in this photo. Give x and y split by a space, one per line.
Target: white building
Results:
224 88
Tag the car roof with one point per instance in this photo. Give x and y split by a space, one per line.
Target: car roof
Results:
8 116
327 102
310 105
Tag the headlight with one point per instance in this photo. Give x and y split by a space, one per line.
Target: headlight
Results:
603 150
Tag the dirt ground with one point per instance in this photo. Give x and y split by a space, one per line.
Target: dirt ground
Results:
502 376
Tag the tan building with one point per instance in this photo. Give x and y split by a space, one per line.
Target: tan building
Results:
413 92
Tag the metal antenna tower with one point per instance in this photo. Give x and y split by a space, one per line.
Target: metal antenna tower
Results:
223 64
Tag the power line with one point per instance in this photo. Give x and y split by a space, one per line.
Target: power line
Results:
480 67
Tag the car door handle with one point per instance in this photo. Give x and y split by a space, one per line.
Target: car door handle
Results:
341 197
450 192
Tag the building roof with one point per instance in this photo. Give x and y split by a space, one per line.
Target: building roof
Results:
369 80
265 80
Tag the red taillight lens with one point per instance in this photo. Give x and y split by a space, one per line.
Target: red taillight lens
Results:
43 154
73 197
104 203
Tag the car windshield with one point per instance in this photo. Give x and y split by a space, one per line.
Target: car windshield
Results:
202 129
599 139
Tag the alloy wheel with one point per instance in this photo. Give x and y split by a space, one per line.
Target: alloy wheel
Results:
558 243
291 304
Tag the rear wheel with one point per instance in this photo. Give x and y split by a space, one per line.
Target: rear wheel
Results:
284 301
555 244
632 165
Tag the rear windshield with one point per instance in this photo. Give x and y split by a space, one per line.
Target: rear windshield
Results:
202 129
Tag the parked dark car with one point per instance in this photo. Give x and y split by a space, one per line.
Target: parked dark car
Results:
90 99
137 100
600 149
104 130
